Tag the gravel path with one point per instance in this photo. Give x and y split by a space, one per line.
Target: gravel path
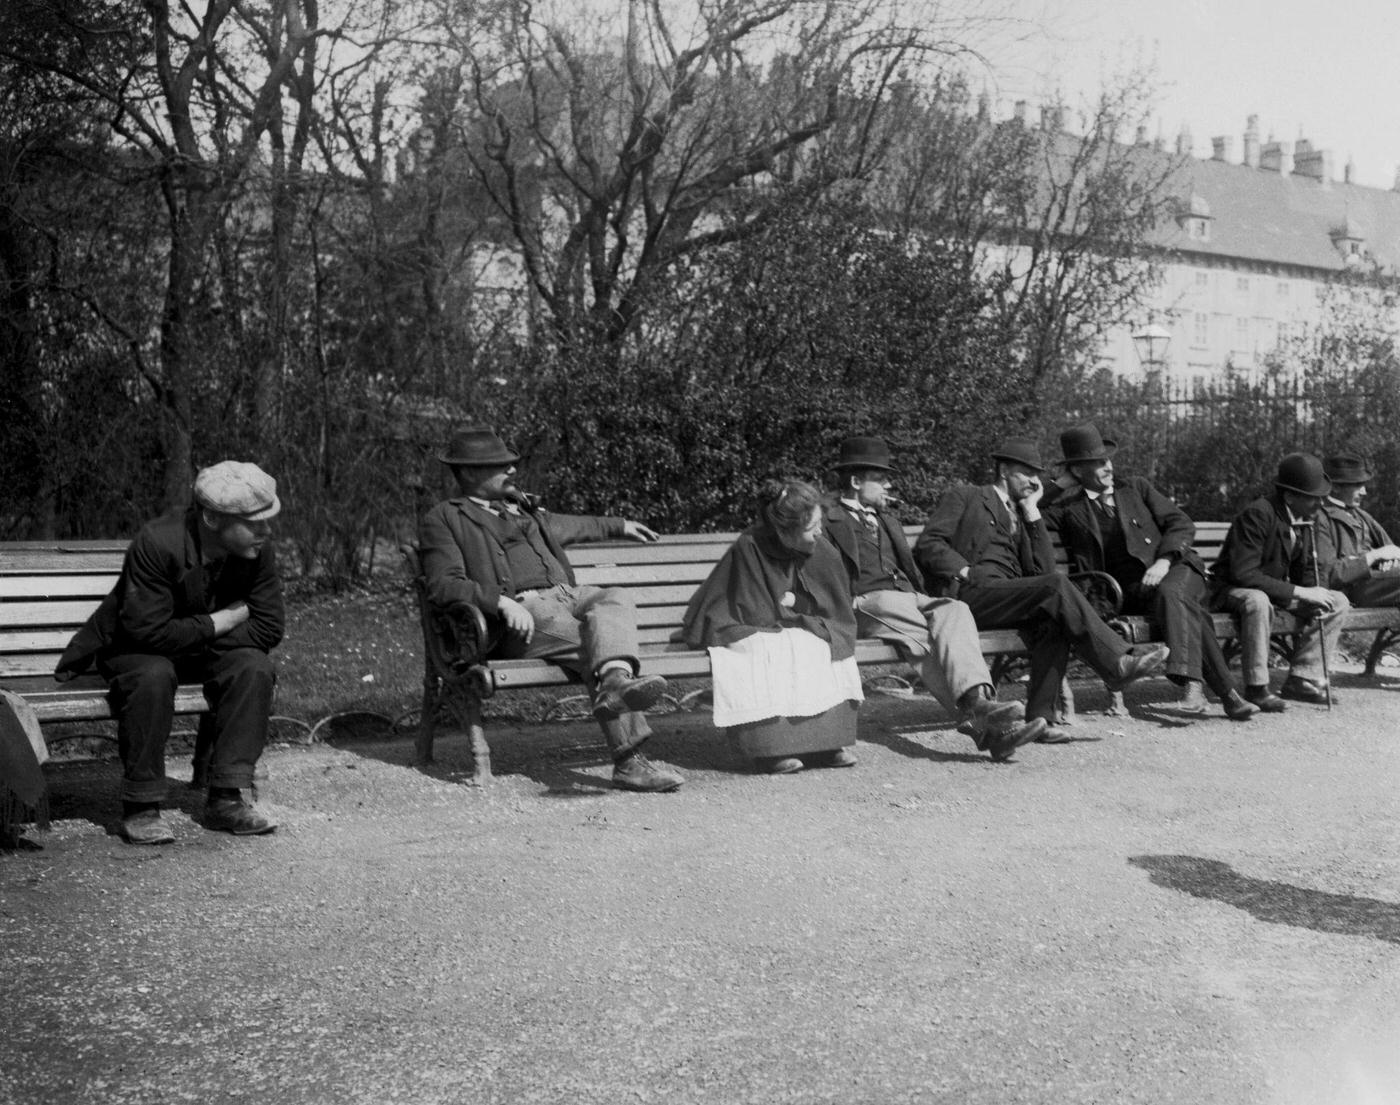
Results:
1160 912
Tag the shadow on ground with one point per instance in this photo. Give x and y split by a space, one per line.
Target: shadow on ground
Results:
1276 903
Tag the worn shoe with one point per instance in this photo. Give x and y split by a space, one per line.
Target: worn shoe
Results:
1265 699
233 815
989 714
1305 690
1237 707
1134 666
146 827
840 757
1193 699
1000 743
620 693
781 765
635 772
1054 735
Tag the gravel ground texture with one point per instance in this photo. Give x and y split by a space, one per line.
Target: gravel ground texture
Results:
1163 911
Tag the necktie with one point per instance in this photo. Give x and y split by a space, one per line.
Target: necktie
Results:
868 517
1109 507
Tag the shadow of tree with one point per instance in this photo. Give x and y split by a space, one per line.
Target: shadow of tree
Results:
1276 903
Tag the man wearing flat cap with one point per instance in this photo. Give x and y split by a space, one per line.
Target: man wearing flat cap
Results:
991 543
198 600
891 603
1272 557
1131 531
1364 562
492 548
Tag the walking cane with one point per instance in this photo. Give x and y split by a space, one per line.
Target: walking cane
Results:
1322 636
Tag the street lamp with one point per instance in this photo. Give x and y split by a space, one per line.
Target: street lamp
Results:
1151 344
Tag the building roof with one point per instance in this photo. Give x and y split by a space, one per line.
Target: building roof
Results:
1263 216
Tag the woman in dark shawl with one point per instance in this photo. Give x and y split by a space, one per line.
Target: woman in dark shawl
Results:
776 616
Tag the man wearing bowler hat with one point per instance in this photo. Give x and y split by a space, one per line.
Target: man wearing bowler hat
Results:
1268 560
1365 563
991 543
492 548
198 600
1131 531
891 603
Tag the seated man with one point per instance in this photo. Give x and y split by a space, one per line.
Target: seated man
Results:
491 548
199 600
1272 557
891 604
1131 531
993 541
1365 563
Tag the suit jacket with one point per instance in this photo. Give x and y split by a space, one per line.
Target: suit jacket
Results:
961 527
840 529
1258 552
1153 527
463 560
160 606
1341 540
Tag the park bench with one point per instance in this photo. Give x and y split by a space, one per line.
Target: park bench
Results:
661 577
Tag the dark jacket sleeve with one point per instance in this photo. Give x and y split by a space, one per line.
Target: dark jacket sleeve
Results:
148 618
444 564
1178 531
575 529
267 613
1249 533
935 552
1041 546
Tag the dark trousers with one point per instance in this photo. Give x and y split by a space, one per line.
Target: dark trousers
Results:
1178 606
1376 591
141 689
1053 616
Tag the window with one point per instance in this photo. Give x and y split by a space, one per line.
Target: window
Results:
1202 279
1284 289
1200 334
1242 343
1241 283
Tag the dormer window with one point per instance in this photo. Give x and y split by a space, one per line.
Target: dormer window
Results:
1350 242
1194 217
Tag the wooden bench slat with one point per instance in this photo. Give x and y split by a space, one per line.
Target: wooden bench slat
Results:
592 556
34 640
55 586
17 615
631 575
28 663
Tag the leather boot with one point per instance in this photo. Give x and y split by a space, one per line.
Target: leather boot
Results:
633 771
620 693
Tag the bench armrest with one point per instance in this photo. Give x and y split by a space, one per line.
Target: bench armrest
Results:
1102 590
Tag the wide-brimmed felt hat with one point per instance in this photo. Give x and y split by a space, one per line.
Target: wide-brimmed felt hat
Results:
477 446
1346 468
1083 442
1302 472
237 487
864 452
1021 450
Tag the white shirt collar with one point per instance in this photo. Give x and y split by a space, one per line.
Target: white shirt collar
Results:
487 504
856 506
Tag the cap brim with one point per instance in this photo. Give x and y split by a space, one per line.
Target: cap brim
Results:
479 462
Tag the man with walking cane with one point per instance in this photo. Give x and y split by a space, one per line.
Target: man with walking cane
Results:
1269 560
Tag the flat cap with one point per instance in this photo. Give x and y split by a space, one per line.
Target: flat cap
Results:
237 487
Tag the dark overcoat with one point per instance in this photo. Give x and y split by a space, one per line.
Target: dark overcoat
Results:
840 528
960 528
1258 551
1154 527
1344 537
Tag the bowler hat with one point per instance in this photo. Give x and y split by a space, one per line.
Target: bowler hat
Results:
477 446
237 487
1346 468
864 452
1302 472
1083 442
1021 450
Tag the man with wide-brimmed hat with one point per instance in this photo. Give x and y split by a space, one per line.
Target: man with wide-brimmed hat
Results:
199 600
992 544
892 605
1364 562
1272 557
493 548
1131 531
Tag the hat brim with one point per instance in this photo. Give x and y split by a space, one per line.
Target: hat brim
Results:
1018 460
840 466
1317 492
266 513
1350 478
480 462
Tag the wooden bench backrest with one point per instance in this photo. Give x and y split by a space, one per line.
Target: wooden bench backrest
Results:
48 589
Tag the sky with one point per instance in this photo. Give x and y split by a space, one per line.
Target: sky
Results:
1327 70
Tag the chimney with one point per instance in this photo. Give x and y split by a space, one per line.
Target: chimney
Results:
1309 162
1396 186
1276 157
1019 112
1184 143
1251 142
1222 148
1349 172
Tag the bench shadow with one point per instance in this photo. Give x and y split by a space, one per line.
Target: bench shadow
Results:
1275 903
